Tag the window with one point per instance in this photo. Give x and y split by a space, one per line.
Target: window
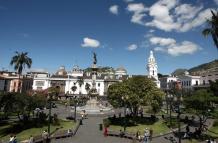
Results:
209 75
39 88
99 84
40 83
203 82
196 82
153 72
189 83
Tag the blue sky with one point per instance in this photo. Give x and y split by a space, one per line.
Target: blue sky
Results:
121 32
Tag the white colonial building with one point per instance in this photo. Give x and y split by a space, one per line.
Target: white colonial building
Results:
209 75
152 69
167 82
189 81
65 80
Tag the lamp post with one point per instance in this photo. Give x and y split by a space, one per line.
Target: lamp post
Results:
178 99
75 104
49 114
170 98
124 98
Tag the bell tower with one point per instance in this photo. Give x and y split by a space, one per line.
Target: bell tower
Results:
152 66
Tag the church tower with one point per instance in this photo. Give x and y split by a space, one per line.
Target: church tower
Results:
152 66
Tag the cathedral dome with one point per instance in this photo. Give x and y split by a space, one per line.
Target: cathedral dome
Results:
61 71
121 71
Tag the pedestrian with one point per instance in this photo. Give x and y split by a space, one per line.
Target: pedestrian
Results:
121 133
105 131
15 139
137 135
45 136
11 139
146 136
151 134
69 132
31 139
213 141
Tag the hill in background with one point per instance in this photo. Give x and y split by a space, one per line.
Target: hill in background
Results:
198 70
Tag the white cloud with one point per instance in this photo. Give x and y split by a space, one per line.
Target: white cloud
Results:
170 46
169 15
138 10
186 47
216 1
88 42
199 20
132 47
162 41
186 12
114 9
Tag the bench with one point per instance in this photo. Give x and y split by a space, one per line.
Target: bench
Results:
117 134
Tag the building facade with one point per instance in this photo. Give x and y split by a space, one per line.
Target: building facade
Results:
10 82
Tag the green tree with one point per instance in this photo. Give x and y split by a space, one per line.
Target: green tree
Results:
21 104
74 88
212 28
54 91
20 61
200 103
214 87
80 81
136 91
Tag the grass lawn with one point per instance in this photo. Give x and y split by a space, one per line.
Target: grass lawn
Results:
213 131
158 128
25 134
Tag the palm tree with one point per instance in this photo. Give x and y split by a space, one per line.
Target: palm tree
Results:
80 81
213 28
74 88
20 61
87 87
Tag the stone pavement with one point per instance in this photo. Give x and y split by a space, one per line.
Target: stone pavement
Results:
89 133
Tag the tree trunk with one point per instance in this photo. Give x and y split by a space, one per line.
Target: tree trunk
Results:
19 84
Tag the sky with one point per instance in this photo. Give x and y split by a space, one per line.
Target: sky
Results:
121 32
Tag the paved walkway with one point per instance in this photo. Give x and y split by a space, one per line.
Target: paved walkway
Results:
89 133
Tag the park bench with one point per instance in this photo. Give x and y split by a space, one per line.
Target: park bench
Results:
61 134
117 134
38 139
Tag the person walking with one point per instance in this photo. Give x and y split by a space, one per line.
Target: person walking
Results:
146 136
31 139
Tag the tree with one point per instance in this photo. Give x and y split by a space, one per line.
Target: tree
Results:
21 104
80 81
136 91
74 88
20 61
214 87
87 87
212 27
200 103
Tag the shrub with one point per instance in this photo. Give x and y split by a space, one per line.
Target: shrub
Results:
215 123
106 122
56 120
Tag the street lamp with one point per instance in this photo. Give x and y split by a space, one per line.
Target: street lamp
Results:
75 103
178 99
124 98
49 114
170 98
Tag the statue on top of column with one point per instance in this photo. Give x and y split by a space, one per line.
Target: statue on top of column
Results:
94 58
